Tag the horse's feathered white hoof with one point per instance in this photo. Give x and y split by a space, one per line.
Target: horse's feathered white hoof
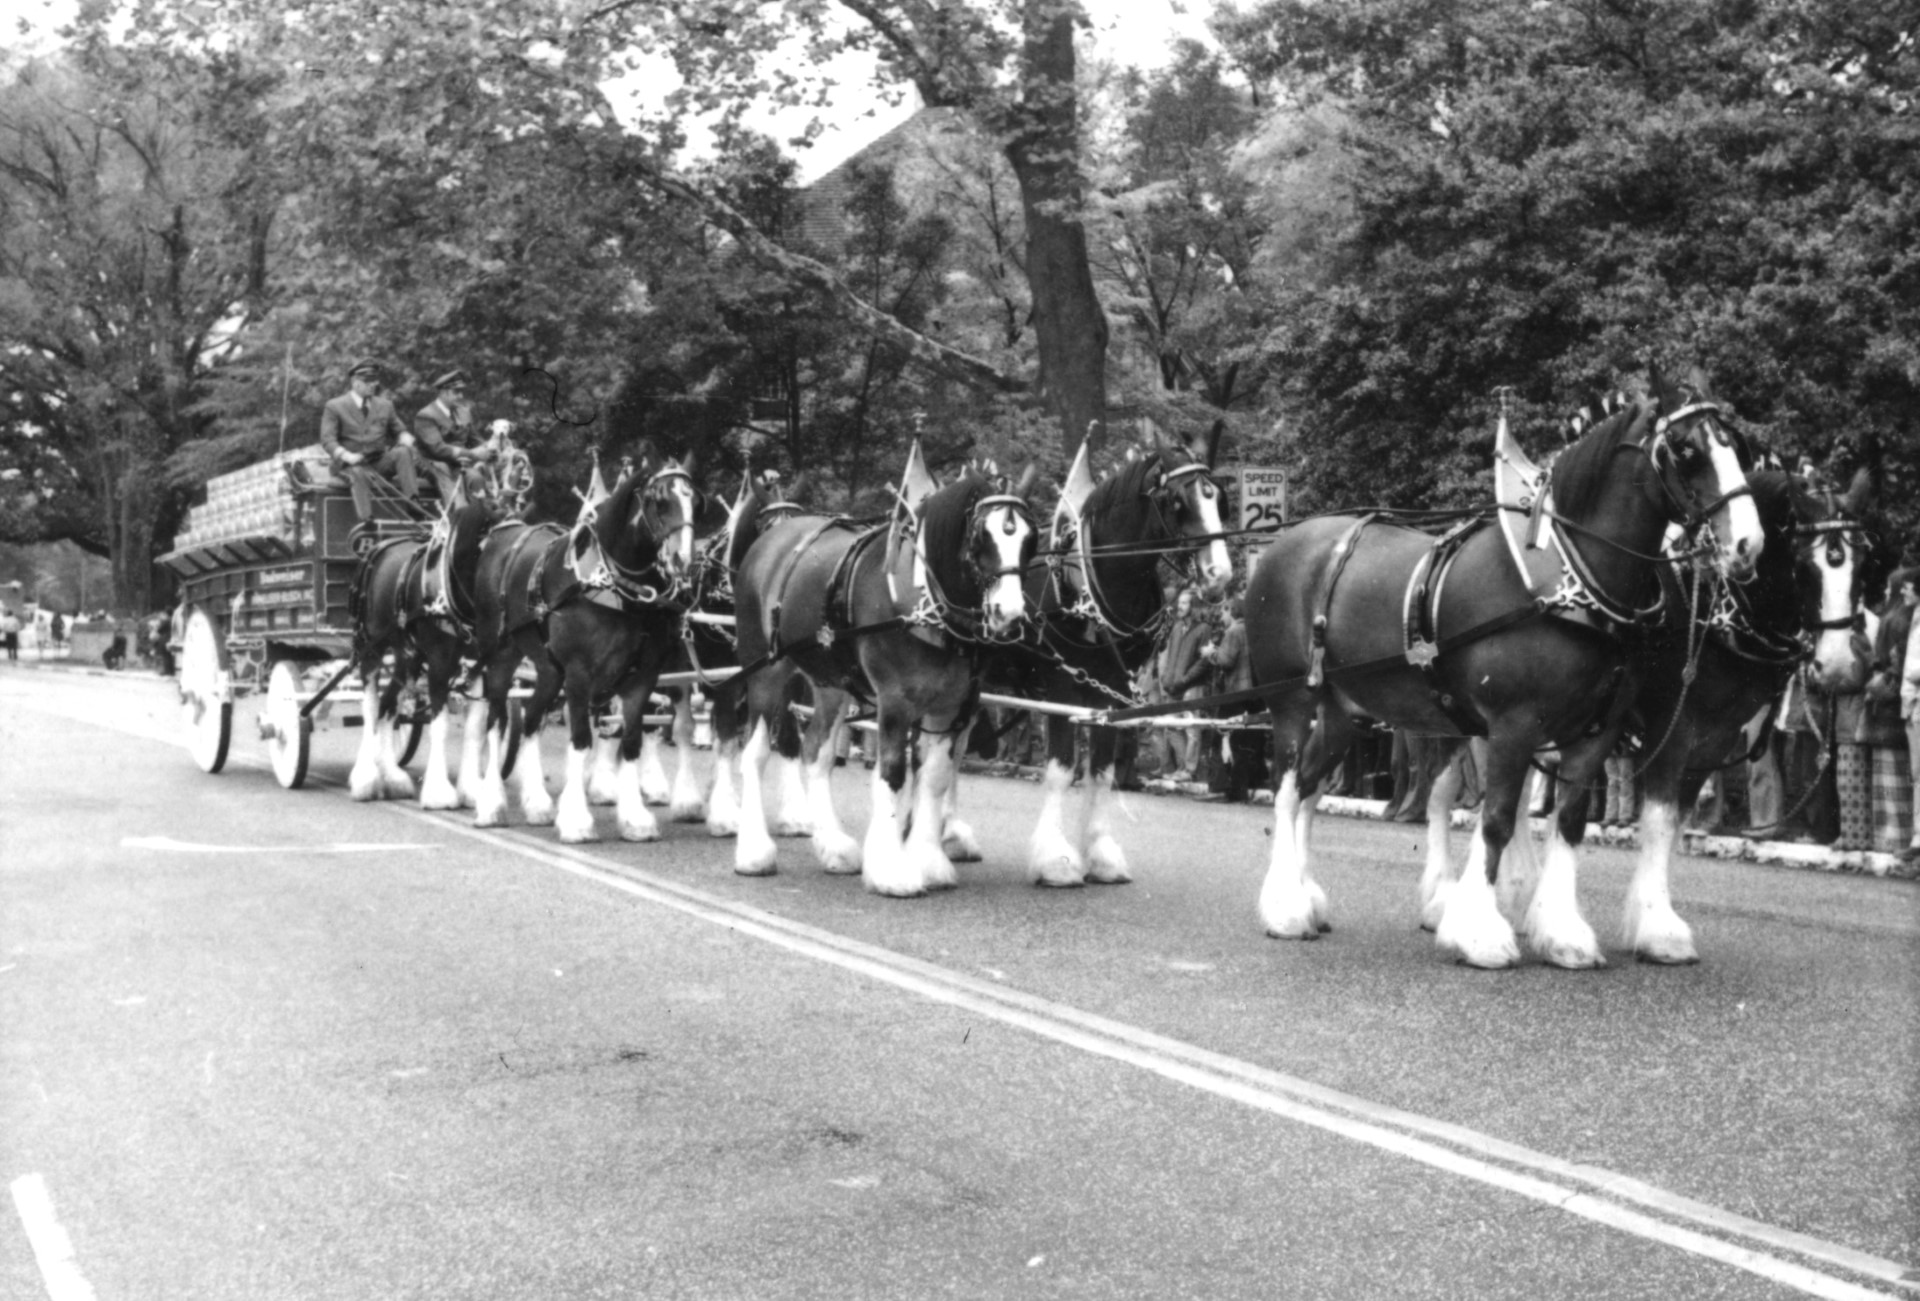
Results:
935 868
1472 929
790 826
1287 909
490 805
959 843
885 867
838 852
1107 862
438 794
1657 934
573 820
365 783
1053 861
754 855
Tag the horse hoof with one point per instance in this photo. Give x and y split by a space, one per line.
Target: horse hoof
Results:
1059 882
838 858
792 827
1495 959
897 889
1308 933
576 830
639 834
1665 958
687 812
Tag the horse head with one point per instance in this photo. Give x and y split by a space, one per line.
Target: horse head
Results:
666 508
1832 570
1699 461
1186 498
978 540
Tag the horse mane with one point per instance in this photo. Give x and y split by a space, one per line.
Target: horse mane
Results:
613 517
1583 469
1773 593
1122 491
944 520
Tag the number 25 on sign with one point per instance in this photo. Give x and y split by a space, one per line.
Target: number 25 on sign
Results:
1263 499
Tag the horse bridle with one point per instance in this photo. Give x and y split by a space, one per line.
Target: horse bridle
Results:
629 582
1660 454
1838 536
1088 602
936 606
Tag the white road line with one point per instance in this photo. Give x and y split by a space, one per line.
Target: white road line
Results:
1485 1159
1438 1144
52 1248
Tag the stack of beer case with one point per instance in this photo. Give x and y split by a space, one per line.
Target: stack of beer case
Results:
249 503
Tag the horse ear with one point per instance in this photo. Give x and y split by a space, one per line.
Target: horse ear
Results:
1664 394
792 492
1697 381
1205 447
1024 484
687 462
1860 493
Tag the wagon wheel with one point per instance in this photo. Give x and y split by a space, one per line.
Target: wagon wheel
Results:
206 691
515 715
290 733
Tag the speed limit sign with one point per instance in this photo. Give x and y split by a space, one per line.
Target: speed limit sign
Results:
1263 499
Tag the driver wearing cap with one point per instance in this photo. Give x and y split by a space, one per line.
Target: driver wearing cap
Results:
364 439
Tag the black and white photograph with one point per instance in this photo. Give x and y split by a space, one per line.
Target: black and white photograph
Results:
1101 650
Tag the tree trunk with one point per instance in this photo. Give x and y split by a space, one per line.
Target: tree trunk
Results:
1070 328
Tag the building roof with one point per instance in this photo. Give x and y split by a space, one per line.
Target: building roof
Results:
823 204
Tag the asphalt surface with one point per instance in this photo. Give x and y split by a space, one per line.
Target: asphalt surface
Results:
261 1043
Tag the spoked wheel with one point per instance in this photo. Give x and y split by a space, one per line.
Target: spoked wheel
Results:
206 691
289 733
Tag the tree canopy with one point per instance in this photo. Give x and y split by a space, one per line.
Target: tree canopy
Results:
1343 233
1546 197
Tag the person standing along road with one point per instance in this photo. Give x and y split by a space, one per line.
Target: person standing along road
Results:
1246 747
363 438
1183 676
443 433
10 633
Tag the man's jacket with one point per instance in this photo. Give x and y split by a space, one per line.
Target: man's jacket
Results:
438 434
344 427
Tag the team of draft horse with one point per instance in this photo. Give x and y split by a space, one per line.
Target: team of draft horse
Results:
1648 588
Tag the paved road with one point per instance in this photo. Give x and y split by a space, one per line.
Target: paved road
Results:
264 1044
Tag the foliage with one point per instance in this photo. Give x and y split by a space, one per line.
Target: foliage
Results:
135 223
1178 238
1549 197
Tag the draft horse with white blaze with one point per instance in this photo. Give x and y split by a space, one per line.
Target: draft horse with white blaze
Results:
1797 615
594 609
412 599
902 615
1098 607
1349 616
